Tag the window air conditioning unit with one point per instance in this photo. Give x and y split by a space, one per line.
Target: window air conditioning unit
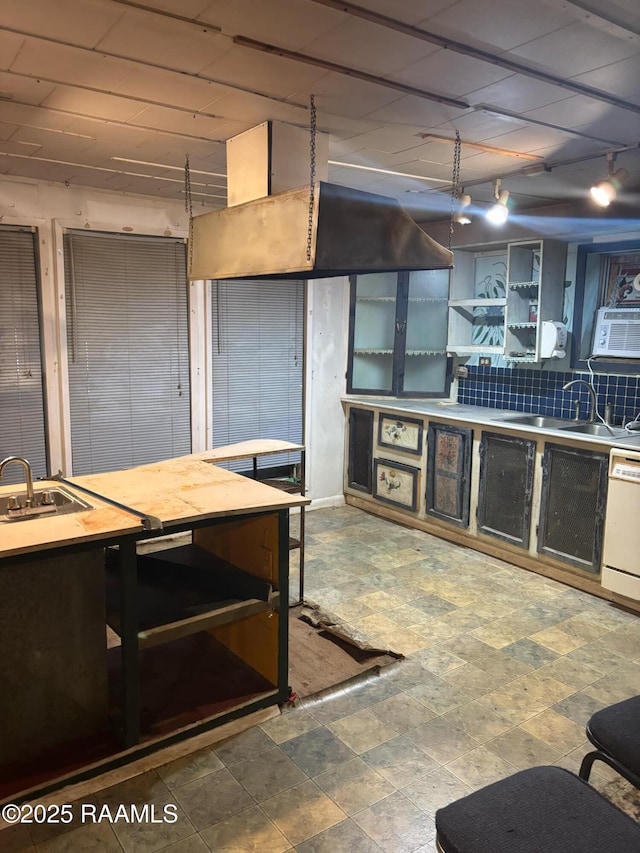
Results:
617 333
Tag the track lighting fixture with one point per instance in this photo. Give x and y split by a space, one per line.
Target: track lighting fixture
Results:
461 216
498 213
604 192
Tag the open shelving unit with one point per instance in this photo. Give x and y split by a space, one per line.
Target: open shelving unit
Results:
535 292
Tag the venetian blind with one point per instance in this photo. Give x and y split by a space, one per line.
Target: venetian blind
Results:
257 346
22 421
128 350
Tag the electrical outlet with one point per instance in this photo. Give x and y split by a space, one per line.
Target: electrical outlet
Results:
462 372
484 361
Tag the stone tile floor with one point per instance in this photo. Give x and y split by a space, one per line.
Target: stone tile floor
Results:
503 668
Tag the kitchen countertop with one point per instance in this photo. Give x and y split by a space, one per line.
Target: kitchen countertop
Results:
494 418
177 491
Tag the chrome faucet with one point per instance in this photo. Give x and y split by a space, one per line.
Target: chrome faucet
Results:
592 396
28 476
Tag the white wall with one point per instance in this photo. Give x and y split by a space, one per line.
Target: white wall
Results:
52 207
327 338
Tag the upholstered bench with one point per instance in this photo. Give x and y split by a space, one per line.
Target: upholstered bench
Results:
536 811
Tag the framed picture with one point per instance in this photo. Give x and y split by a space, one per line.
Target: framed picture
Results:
403 433
395 483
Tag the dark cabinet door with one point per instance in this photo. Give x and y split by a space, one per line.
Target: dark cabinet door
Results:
449 473
506 483
574 490
360 468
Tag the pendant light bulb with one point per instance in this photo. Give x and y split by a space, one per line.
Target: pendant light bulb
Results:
498 213
462 217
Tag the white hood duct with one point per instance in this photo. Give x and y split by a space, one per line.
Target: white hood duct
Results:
267 234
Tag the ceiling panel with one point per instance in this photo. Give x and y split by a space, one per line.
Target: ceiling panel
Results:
368 47
619 77
288 23
518 93
498 23
260 72
24 89
169 88
69 65
453 73
166 42
576 49
409 11
409 109
10 44
335 93
82 22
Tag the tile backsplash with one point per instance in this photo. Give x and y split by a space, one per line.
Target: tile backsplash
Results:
540 392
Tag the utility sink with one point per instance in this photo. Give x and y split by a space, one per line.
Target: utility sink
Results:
47 502
599 430
540 421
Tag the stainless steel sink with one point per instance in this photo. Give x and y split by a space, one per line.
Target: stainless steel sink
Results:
47 502
598 429
540 421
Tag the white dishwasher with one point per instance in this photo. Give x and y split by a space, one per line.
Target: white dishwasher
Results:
621 546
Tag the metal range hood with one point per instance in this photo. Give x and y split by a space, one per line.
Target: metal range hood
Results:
271 231
351 232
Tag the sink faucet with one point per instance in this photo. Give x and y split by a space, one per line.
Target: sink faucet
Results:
28 476
592 396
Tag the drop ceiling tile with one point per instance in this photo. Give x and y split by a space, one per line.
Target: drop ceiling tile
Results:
619 77
527 140
28 90
241 110
337 93
10 44
518 93
409 11
12 146
575 49
81 23
261 72
164 87
413 110
181 122
92 104
477 126
70 65
161 41
389 139
616 125
451 73
7 130
54 144
286 23
368 47
498 23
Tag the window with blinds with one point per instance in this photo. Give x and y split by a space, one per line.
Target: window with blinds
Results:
128 350
257 363
22 419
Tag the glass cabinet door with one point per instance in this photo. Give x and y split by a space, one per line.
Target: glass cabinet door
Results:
374 331
425 356
398 334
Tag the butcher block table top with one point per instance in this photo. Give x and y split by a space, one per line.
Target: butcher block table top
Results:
176 491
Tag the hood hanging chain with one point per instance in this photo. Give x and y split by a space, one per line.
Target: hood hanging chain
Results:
455 183
312 172
188 206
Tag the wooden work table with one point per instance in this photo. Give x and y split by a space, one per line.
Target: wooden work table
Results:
87 707
176 491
